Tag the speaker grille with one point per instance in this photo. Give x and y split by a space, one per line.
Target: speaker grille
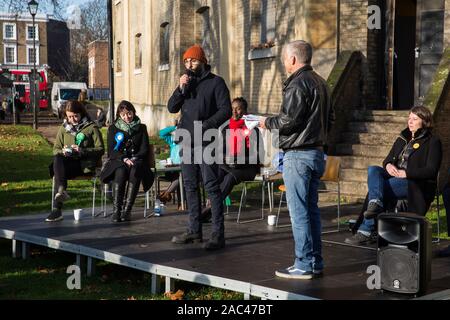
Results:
399 269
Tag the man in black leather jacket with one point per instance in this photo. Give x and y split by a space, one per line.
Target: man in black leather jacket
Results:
304 122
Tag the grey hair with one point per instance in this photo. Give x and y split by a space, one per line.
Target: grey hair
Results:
301 49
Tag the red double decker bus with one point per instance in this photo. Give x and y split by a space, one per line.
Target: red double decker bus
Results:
21 82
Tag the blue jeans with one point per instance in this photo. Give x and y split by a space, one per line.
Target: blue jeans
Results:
384 190
301 174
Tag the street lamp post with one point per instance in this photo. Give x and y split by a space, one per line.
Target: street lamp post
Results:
33 8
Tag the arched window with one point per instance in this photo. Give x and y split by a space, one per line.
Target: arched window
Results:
205 30
138 51
164 37
119 56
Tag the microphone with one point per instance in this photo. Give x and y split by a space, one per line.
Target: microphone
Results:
190 74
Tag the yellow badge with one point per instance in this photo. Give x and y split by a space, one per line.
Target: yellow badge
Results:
416 146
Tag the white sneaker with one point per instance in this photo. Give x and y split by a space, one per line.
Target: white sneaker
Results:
294 273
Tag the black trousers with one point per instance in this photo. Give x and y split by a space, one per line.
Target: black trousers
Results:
124 174
228 181
209 174
65 168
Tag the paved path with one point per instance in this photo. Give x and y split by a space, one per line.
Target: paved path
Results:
49 132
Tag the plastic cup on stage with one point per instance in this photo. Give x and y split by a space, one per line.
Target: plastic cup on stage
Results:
77 213
271 220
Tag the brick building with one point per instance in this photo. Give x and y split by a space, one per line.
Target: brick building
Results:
244 39
98 68
52 42
375 54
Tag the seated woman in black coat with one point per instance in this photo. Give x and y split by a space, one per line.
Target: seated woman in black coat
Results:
409 172
128 148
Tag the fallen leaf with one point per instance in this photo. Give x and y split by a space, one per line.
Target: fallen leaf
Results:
4 184
179 295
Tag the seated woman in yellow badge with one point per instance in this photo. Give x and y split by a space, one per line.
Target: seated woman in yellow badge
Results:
409 173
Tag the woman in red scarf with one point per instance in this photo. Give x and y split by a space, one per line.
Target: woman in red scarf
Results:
243 153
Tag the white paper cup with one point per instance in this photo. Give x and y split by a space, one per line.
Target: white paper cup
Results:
271 220
77 214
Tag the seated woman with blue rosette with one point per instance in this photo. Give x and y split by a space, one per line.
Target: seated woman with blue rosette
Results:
128 160
77 151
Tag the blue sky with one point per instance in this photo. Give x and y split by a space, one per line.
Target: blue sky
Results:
65 4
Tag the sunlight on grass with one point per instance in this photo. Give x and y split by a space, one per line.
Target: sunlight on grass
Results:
43 276
25 183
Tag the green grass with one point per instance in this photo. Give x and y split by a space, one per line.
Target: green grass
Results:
25 184
432 217
43 276
25 187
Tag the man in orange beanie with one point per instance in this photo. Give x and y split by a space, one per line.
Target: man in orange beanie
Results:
204 101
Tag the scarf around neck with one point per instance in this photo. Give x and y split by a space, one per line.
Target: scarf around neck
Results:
74 129
129 128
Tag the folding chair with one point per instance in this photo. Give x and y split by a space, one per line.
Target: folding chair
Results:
438 209
149 196
152 192
265 181
331 174
93 177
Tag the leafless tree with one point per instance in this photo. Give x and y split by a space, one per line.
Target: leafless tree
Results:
94 26
21 6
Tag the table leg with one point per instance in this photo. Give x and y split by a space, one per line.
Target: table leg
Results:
182 191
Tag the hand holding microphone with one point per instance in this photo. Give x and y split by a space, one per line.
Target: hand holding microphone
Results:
184 81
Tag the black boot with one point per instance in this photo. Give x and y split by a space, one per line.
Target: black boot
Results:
216 242
187 237
133 190
119 193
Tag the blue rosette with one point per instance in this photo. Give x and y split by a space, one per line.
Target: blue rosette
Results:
119 140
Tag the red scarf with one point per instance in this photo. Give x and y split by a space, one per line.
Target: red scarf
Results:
238 132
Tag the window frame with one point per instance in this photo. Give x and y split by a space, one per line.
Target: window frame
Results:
5 24
36 32
7 46
37 55
164 44
138 52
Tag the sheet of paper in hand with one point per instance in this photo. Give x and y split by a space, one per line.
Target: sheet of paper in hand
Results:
251 121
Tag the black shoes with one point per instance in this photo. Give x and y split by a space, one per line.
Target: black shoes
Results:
187 237
116 216
360 239
126 216
373 210
56 215
215 243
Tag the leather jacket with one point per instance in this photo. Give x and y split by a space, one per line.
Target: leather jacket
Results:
306 113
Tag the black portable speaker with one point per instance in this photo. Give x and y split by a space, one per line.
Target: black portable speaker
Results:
404 252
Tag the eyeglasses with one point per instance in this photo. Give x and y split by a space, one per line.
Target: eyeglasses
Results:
193 61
